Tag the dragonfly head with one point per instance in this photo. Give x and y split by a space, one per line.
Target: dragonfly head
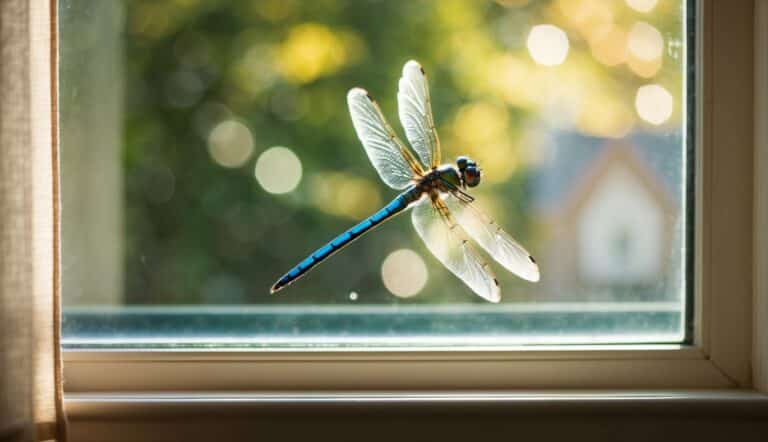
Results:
470 173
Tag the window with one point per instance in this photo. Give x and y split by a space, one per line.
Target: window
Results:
208 148
112 372
113 347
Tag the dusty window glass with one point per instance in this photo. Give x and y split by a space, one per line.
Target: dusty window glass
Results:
207 148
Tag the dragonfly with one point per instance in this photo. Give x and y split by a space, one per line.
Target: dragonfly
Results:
442 210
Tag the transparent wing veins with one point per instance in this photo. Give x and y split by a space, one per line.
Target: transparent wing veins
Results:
415 110
395 164
451 246
498 243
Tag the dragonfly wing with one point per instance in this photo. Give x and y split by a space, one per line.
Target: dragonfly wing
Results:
502 247
395 164
449 243
415 111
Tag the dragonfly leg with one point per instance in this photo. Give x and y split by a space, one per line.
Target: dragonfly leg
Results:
457 192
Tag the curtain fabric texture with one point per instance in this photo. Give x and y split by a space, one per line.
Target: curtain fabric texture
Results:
30 359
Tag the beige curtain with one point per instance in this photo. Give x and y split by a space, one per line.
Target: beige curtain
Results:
30 361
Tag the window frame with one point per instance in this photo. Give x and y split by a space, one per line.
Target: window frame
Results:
719 356
760 308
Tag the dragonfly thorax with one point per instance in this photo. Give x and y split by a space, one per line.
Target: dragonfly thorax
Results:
441 179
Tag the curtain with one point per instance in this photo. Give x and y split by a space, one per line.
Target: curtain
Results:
31 407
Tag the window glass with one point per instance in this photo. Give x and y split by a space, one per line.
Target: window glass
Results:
207 148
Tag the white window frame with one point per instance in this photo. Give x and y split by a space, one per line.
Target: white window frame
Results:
720 357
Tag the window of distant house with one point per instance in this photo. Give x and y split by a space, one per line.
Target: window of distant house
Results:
207 148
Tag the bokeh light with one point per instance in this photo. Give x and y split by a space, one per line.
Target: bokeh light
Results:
642 5
548 45
645 42
278 170
643 68
654 103
404 273
183 89
313 50
481 130
609 45
586 16
509 77
230 143
341 194
249 72
605 116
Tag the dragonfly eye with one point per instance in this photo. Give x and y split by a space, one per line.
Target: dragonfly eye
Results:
462 162
472 176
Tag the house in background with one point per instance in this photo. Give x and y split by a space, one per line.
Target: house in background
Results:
608 209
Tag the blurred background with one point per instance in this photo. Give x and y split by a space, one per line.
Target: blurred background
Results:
207 147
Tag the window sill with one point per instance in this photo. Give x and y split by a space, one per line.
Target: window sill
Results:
744 404
546 393
660 367
551 415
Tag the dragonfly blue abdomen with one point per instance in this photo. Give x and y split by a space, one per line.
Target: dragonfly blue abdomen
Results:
397 205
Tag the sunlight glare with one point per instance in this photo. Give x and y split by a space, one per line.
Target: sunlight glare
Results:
278 170
645 69
548 45
645 42
230 143
404 273
653 104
